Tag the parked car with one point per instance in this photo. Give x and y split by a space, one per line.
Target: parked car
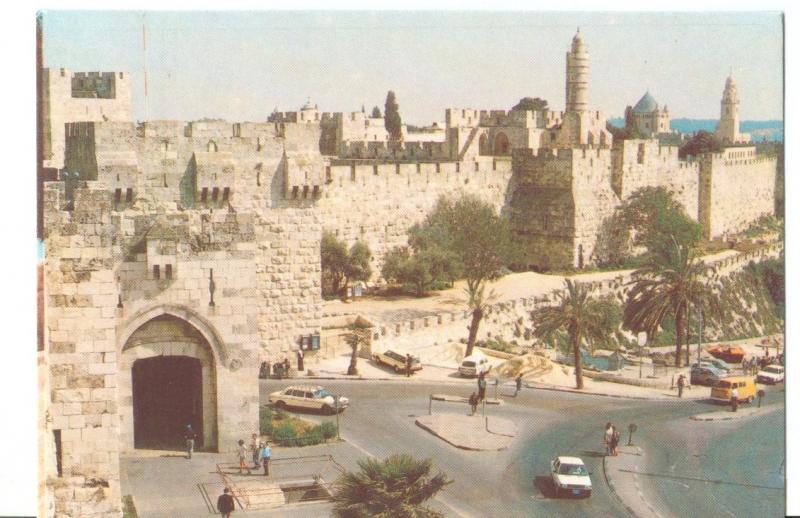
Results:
771 374
705 375
718 363
712 362
570 477
308 397
745 389
474 365
396 361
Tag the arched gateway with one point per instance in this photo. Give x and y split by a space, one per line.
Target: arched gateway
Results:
168 379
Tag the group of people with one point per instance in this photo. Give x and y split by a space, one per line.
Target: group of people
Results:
260 453
281 368
611 439
476 397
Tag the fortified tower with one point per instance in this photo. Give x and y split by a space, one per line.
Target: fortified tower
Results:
728 127
577 76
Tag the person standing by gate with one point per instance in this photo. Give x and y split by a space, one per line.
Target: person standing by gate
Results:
189 437
300 367
681 384
225 504
255 447
242 452
408 365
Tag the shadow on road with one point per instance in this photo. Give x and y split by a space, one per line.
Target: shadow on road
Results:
545 486
593 454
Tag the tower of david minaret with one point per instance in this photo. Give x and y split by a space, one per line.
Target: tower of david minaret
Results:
577 76
728 127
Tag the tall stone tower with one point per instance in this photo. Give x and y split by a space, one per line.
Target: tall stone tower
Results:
577 76
728 126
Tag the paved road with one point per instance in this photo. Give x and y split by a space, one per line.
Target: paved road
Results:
514 482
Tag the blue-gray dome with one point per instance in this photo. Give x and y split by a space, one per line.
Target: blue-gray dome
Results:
646 104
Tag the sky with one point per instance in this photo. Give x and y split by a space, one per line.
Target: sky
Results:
242 65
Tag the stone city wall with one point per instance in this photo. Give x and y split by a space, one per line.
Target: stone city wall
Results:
737 186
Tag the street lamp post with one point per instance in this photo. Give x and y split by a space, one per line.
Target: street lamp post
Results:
336 405
641 339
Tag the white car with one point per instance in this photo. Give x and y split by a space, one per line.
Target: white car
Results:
474 365
770 374
570 477
310 398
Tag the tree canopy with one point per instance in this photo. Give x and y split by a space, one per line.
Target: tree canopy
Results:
656 217
376 113
702 142
475 238
396 487
341 266
581 316
531 103
392 120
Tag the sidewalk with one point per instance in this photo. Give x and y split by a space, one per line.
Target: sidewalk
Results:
621 476
741 413
470 432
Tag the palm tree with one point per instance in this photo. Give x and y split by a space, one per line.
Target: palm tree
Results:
580 315
671 280
360 335
395 487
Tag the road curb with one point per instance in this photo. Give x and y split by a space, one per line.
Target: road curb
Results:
612 486
729 416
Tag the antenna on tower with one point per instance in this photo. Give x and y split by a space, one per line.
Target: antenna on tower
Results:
144 67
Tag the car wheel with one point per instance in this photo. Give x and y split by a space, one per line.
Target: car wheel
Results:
327 410
396 369
280 405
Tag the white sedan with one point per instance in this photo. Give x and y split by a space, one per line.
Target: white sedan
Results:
770 374
308 397
570 477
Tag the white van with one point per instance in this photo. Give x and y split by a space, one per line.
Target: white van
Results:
474 365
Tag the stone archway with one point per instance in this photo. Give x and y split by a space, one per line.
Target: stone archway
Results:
167 379
483 145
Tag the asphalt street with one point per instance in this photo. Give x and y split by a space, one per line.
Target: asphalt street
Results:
515 482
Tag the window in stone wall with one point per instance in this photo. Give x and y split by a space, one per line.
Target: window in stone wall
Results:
156 271
128 195
204 194
305 191
226 193
168 272
458 167
57 441
215 194
117 195
295 191
640 155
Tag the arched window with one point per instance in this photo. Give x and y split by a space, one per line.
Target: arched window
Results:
483 147
501 146
212 146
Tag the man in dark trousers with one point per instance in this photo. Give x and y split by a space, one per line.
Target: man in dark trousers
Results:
189 437
481 387
473 403
518 384
681 384
266 456
408 365
300 367
225 504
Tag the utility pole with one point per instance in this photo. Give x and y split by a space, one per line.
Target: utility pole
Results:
688 331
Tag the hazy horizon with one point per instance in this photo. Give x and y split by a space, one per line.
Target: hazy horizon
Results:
242 65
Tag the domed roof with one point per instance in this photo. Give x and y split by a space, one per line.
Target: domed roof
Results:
646 104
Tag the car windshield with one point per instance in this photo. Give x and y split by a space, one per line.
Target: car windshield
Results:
468 364
322 393
773 370
572 469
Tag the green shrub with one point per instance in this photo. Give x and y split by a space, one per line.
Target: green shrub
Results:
265 420
314 436
328 429
284 434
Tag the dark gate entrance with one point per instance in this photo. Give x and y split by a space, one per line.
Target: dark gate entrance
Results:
167 395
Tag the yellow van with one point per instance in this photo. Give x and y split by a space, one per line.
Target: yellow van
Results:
745 389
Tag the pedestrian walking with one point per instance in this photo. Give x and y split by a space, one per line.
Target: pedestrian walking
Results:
408 365
681 384
279 370
188 437
286 366
518 384
608 435
473 402
254 449
225 504
263 371
300 367
266 456
614 440
734 399
481 387
242 451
